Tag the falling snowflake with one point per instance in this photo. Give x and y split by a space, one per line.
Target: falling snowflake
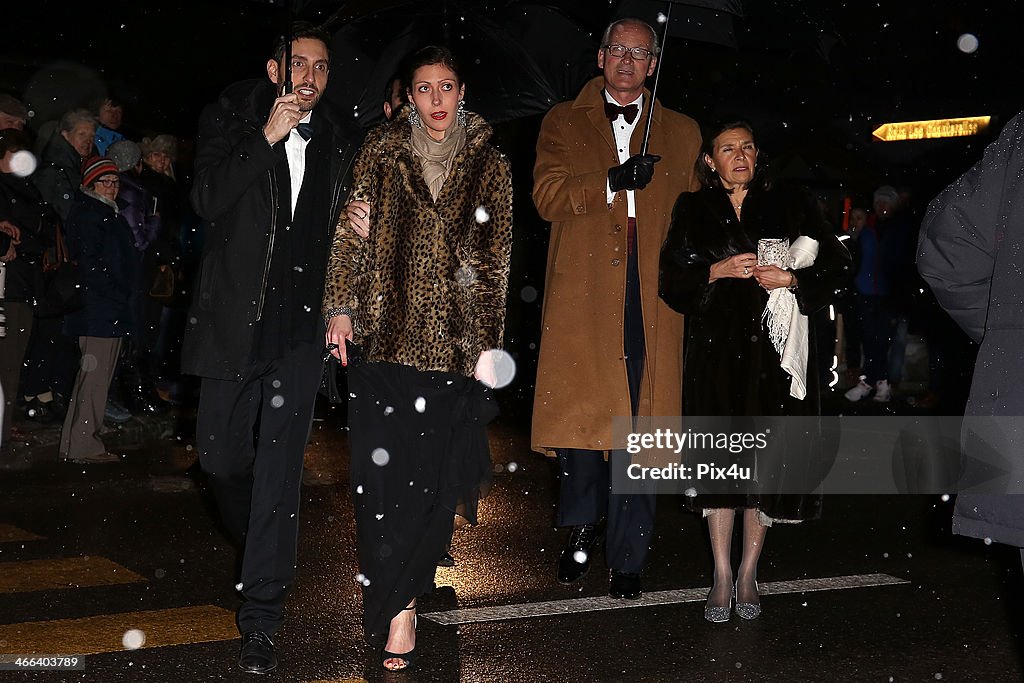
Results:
380 457
967 43
277 401
23 163
133 639
420 404
465 276
580 556
481 215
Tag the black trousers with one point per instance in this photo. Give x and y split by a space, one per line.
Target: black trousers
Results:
251 437
585 496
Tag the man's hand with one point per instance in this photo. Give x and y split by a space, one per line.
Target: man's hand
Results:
12 230
284 116
358 213
634 174
339 328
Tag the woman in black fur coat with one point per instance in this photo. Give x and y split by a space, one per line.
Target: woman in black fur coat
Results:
736 361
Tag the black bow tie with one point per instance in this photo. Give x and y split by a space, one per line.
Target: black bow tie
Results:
305 130
628 112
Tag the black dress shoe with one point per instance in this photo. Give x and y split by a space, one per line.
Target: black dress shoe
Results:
257 656
624 585
574 562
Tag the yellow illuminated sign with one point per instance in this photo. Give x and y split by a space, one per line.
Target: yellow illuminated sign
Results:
937 128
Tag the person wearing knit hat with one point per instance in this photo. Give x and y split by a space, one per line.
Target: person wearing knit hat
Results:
100 242
13 113
125 154
96 167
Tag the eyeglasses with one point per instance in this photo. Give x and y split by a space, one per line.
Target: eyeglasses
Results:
640 54
110 182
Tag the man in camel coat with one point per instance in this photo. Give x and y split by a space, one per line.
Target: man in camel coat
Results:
609 346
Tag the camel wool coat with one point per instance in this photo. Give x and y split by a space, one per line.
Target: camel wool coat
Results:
581 373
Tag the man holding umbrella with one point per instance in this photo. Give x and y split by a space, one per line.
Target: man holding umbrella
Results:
609 346
270 171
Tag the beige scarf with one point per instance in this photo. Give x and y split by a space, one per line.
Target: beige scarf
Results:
436 157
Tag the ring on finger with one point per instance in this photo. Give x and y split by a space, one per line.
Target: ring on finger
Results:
746 271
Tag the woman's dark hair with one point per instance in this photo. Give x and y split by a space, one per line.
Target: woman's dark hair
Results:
425 56
709 178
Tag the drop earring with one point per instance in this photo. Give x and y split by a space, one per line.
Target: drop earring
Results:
414 115
460 113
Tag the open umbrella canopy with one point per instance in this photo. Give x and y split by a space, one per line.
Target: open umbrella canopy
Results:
517 59
709 21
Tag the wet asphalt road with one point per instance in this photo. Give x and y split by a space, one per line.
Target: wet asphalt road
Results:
90 554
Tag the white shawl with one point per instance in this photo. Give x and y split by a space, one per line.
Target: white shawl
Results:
787 327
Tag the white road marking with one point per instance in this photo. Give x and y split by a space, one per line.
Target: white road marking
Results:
597 604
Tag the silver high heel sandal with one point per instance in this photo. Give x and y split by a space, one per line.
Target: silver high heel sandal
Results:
719 615
748 610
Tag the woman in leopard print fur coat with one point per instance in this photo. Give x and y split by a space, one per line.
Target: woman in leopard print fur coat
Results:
423 299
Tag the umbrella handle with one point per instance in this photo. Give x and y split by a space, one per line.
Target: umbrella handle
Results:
657 75
287 86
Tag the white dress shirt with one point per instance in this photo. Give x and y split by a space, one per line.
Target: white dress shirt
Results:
623 133
295 149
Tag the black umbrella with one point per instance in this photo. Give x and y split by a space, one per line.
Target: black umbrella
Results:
518 58
705 20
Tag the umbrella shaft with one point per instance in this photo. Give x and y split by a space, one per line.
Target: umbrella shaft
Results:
657 74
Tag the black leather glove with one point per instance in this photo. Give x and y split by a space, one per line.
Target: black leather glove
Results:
634 174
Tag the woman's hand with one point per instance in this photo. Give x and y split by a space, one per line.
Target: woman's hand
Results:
339 328
484 371
358 213
773 277
12 230
739 266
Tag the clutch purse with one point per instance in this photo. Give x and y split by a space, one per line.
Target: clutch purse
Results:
332 381
773 252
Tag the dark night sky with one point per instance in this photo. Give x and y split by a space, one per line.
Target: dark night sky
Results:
878 61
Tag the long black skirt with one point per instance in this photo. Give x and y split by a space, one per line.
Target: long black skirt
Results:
419 454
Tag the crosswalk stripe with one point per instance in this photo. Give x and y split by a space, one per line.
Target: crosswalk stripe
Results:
597 604
107 632
10 534
62 573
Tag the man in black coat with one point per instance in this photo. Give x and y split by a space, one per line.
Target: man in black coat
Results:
969 252
270 179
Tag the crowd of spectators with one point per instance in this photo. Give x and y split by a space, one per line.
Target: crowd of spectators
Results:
97 248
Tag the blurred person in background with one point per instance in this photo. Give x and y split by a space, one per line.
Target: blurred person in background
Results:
21 207
13 113
60 172
109 114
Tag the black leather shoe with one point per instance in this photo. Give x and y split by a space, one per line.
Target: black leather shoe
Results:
625 586
257 656
574 563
